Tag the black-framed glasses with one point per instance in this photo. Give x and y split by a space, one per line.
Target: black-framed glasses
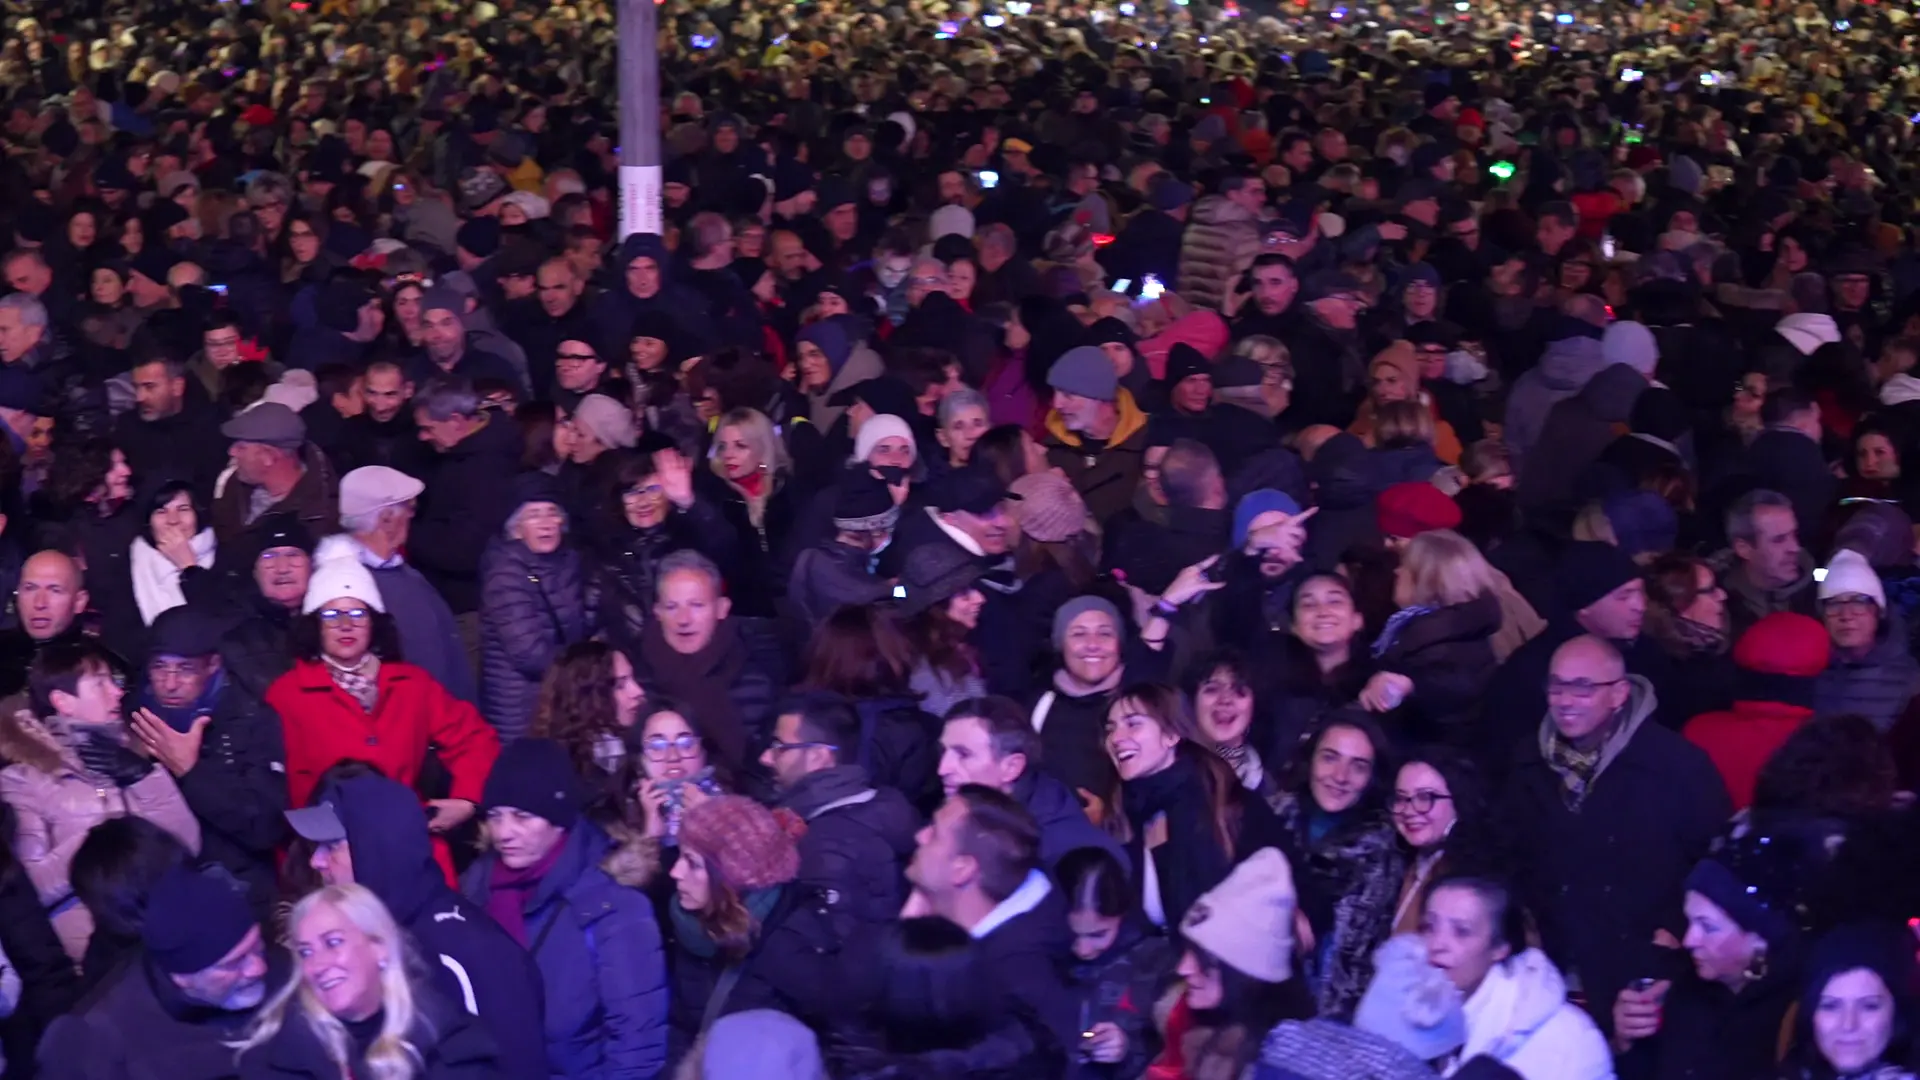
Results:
574 357
1579 689
1852 602
1420 802
656 746
779 747
354 615
644 491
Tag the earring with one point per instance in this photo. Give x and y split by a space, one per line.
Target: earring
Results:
1756 967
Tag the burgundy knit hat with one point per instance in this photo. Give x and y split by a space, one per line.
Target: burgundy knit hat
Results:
1049 510
1408 509
751 846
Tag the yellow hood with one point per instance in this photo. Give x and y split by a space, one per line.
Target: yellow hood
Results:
1130 422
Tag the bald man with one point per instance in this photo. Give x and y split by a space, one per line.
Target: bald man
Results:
1610 813
49 600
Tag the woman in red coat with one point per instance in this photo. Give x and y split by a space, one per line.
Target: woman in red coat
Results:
342 700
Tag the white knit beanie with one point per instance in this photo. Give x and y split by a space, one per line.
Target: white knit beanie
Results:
1246 921
883 426
338 578
1849 575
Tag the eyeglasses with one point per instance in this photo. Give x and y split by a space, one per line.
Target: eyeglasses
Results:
649 491
1420 802
779 747
355 615
575 358
1578 689
1851 604
656 746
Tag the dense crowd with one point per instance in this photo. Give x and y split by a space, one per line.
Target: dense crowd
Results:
1187 542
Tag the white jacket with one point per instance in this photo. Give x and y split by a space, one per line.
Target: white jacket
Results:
1520 1017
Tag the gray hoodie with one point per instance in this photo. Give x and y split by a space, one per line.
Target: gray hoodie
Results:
1564 368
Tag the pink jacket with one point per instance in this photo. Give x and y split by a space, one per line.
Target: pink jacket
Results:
1204 330
57 801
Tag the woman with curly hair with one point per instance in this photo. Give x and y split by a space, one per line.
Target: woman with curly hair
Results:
588 699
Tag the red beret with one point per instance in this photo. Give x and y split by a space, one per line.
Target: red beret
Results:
1409 509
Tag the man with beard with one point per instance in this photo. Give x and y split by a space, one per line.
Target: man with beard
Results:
446 350
174 1012
1329 371
556 313
384 432
222 745
1261 570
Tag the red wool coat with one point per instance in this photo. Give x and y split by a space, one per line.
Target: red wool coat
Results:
323 725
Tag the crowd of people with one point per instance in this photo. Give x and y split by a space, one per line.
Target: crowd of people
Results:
1186 542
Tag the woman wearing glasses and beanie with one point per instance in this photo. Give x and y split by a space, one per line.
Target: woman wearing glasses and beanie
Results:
345 699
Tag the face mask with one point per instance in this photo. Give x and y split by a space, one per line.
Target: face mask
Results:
891 474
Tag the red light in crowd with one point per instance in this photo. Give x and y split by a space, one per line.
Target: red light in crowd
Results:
1101 239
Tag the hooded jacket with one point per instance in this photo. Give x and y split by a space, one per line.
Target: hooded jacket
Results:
858 841
139 1026
1578 430
1563 369
1105 479
1520 1017
473 962
1602 877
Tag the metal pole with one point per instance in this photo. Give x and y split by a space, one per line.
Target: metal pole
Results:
639 118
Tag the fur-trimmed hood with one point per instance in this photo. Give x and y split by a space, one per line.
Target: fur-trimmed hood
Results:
27 740
633 859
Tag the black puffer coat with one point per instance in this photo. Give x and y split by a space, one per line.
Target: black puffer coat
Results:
626 567
532 606
757 573
1448 653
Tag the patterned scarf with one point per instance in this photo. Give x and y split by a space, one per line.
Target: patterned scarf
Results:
1576 767
1396 622
361 681
1698 638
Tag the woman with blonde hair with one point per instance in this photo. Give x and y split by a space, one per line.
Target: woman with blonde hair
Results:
1435 655
750 477
359 1005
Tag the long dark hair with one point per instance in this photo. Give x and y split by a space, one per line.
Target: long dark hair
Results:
576 702
1373 800
860 653
1471 845
941 641
1218 784
1248 1009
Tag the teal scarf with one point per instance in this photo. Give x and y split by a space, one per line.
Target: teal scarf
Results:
688 932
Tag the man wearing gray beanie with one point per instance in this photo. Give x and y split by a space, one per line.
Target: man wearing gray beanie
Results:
1096 433
446 350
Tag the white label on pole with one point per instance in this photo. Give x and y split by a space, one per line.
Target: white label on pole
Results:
640 200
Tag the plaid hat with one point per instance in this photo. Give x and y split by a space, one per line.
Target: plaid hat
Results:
1049 510
863 503
535 776
193 920
935 573
1408 509
1085 371
748 845
478 187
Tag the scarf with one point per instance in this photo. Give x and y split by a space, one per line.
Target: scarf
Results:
692 937
1190 862
1575 767
361 681
509 891
156 581
755 489
1699 639
1395 623
704 681
181 718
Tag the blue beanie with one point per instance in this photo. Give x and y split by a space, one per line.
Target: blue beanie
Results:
1255 503
831 339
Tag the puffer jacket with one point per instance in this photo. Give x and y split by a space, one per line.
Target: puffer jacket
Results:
1878 686
57 801
1448 653
1563 369
1121 987
1520 1017
1221 240
532 606
1578 430
598 948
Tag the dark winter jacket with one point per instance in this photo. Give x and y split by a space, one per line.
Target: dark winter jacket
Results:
1516 698
1329 372
1029 954
238 788
859 839
1578 430
1073 740
1349 883
1344 487
254 652
1785 460
626 566
1153 555
1707 1032
361 440
467 956
900 748
755 575
429 636
732 686
1105 476
48 983
1603 877
468 499
1564 368
1063 822
1876 686
455 1046
780 971
598 949
1122 987
1448 653
532 607
187 444
829 576
139 1026
314 499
